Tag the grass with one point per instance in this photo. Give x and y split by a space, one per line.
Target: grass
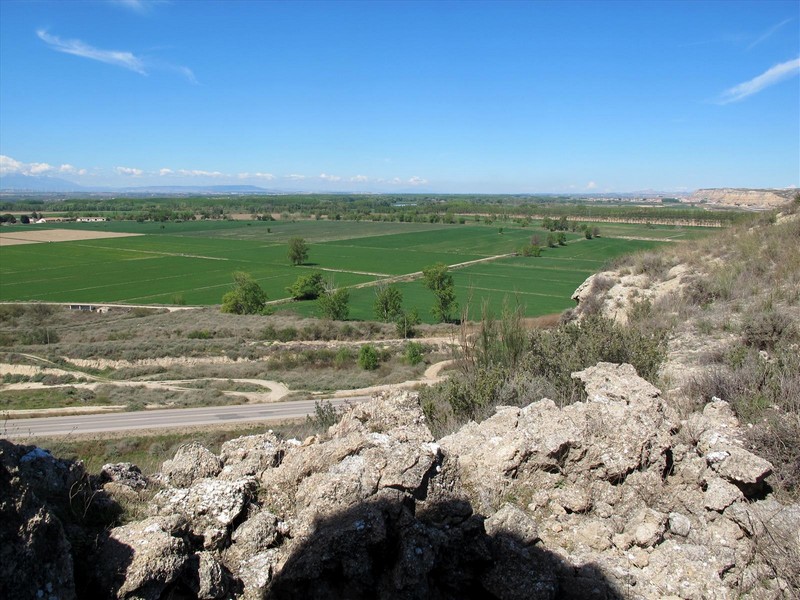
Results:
194 261
148 452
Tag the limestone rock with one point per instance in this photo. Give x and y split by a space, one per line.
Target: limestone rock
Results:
512 522
192 461
679 524
126 474
141 559
209 506
250 455
721 494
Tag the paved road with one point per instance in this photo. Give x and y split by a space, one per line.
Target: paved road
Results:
156 419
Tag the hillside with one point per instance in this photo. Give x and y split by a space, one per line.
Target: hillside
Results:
743 198
647 448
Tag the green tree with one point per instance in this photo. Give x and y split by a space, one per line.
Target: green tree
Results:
413 353
562 238
368 357
552 241
440 282
298 251
307 287
405 323
388 302
246 297
334 304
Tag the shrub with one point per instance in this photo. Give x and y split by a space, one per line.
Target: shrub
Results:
368 357
325 415
763 330
413 353
199 334
343 358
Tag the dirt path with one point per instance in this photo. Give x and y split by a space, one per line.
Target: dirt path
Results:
277 391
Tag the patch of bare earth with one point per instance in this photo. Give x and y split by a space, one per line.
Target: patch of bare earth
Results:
39 236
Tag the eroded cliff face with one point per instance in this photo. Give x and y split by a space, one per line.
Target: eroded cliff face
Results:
612 497
757 199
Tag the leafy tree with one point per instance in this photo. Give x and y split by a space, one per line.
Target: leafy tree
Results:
246 297
388 302
588 233
562 238
307 287
334 304
552 242
405 323
298 251
368 358
25 219
440 282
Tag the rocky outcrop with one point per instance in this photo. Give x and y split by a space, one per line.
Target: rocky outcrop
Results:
747 198
612 497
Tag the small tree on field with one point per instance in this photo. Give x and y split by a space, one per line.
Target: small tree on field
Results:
368 358
388 302
440 282
298 251
405 323
334 304
307 287
562 238
552 241
246 297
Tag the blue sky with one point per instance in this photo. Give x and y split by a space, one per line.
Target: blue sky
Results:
403 96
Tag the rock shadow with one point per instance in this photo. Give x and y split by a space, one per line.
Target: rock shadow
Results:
392 546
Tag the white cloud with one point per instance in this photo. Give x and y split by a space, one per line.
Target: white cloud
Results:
267 176
39 168
417 181
165 171
591 185
769 77
326 177
359 179
113 57
133 172
66 168
199 173
8 165
295 177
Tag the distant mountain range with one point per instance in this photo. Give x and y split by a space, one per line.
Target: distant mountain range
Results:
32 183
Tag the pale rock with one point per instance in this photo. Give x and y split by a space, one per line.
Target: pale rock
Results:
190 463
679 524
511 521
720 494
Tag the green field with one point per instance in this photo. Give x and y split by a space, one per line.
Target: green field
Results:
193 261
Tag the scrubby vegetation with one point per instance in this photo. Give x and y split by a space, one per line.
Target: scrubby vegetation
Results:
505 365
742 297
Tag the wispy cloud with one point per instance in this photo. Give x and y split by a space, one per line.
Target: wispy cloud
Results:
295 177
768 78
119 58
326 177
359 179
767 34
417 181
137 6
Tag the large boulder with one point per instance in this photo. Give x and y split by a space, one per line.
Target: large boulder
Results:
191 462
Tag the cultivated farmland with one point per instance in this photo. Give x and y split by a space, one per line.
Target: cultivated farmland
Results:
192 262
